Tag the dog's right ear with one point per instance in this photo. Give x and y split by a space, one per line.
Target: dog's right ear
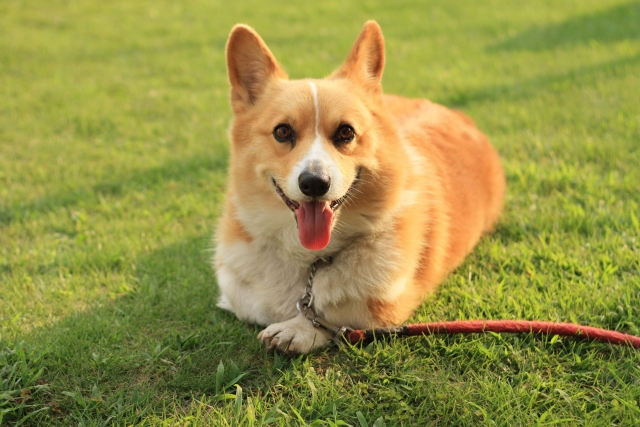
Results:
250 65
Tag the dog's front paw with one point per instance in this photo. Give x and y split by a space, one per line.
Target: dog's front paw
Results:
296 335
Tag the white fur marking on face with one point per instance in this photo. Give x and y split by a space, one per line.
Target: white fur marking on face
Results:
319 155
314 91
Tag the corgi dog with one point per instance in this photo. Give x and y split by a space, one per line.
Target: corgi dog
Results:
395 191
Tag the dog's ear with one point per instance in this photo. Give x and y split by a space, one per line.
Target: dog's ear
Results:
366 59
251 66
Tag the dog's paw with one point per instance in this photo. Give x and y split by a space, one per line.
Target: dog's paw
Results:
296 335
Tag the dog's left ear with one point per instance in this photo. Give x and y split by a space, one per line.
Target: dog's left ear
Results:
366 59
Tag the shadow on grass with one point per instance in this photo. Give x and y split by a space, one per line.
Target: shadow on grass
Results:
179 170
160 342
528 88
612 25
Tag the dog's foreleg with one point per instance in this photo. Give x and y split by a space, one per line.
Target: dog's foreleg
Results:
296 335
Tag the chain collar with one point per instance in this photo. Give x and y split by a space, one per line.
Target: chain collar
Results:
306 308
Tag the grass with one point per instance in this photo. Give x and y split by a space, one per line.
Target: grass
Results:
112 169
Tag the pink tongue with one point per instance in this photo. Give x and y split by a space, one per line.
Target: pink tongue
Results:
314 224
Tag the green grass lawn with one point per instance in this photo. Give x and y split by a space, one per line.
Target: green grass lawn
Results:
112 171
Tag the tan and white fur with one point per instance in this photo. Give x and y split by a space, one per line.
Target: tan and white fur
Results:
401 189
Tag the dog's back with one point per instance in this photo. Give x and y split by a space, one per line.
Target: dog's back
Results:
462 188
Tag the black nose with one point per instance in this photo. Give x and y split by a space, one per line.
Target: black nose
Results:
314 185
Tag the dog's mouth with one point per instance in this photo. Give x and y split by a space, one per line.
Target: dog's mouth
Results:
333 205
292 204
315 218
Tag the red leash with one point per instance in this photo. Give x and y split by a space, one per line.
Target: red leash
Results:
510 326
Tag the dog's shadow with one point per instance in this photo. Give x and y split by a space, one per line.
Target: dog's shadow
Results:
162 334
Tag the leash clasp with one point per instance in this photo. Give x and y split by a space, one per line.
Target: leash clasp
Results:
337 331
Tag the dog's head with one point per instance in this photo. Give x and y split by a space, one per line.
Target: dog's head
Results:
308 146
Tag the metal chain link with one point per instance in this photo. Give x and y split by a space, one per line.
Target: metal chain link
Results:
306 308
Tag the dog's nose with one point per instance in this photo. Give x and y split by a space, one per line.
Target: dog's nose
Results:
314 185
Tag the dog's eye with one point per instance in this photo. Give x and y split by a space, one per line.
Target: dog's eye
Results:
345 133
283 133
